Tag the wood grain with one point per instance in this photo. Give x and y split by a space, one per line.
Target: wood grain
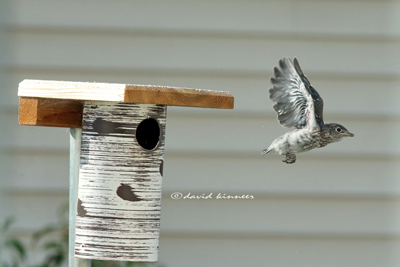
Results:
59 104
119 183
50 112
130 93
175 96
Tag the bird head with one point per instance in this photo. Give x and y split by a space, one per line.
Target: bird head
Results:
337 131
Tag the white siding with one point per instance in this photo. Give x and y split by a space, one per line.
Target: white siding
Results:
337 206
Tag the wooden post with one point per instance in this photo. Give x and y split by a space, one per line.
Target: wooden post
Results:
120 173
74 159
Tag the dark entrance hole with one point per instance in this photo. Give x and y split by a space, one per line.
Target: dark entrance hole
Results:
148 134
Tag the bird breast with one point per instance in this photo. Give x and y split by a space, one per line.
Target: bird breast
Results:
297 141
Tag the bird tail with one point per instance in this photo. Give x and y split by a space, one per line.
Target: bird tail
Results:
265 151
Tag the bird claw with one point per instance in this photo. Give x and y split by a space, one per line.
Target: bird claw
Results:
290 158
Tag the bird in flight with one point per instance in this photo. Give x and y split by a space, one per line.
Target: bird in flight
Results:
299 105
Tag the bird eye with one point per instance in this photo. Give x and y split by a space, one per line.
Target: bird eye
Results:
338 129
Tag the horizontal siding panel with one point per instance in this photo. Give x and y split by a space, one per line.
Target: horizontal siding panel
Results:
283 215
200 252
373 18
268 215
310 176
36 170
238 134
33 211
342 95
17 137
332 177
227 131
67 49
184 249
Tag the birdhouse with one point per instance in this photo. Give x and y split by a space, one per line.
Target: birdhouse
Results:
121 157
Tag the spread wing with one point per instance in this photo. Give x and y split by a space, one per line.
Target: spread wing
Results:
297 103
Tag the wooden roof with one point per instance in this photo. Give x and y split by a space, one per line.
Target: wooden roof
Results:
60 103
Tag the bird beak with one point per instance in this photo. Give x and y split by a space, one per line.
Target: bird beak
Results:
348 134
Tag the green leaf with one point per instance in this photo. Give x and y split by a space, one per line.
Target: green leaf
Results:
17 246
7 223
56 260
52 245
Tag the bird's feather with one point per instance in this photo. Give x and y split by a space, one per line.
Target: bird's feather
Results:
318 102
265 151
297 103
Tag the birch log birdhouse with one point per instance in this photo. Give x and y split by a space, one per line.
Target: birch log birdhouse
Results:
121 158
